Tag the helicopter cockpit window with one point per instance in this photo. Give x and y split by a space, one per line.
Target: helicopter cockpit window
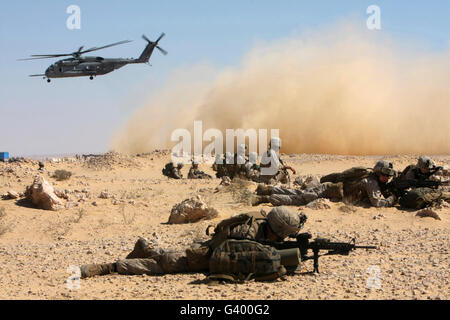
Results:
99 58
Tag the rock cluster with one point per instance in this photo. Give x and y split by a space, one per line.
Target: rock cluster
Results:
191 210
42 195
319 204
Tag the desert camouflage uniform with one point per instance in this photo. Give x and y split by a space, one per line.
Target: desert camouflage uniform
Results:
281 175
413 171
175 172
160 261
280 196
369 190
195 173
146 260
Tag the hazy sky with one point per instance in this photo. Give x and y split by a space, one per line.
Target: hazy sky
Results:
80 116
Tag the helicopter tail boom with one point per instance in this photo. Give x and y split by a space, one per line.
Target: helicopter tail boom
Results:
146 54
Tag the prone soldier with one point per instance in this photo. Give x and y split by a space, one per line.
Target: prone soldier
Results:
279 223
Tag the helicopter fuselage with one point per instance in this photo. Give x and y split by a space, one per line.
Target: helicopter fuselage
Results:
85 66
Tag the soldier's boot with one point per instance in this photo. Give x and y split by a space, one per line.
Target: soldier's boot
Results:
256 200
333 191
90 270
142 249
264 190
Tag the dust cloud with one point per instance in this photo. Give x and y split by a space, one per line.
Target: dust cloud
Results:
337 91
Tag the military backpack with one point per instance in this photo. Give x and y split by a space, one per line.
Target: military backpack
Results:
223 230
355 173
420 198
240 260
168 169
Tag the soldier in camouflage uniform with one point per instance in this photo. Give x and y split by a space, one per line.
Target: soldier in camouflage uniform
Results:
195 173
424 169
273 169
279 196
279 223
252 169
173 172
369 190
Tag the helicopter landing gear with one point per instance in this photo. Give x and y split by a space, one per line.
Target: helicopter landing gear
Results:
91 77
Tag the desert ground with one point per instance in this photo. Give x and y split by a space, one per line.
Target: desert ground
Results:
38 247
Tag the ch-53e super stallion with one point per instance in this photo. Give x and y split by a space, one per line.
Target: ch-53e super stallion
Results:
81 66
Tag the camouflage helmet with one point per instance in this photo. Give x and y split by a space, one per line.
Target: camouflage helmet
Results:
425 162
285 221
385 168
180 165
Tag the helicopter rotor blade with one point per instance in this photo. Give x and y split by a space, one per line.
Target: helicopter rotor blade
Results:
146 39
107 46
164 52
36 58
51 55
75 54
160 37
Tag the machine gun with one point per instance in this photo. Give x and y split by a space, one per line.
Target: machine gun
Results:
303 243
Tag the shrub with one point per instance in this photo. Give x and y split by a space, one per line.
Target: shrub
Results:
60 175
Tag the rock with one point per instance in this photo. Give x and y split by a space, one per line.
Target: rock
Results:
105 195
94 204
428 213
10 195
62 194
42 195
191 210
319 204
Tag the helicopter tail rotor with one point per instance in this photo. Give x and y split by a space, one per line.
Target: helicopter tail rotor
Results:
155 44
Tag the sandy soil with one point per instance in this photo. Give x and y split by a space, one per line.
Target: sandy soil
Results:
37 247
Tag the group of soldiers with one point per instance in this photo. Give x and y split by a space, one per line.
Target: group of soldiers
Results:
357 185
239 165
174 172
414 187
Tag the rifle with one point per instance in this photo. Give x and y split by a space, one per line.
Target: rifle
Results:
303 243
399 186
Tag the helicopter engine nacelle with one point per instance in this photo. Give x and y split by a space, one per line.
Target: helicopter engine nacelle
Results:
69 63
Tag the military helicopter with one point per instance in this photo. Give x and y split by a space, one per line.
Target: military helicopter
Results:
80 66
